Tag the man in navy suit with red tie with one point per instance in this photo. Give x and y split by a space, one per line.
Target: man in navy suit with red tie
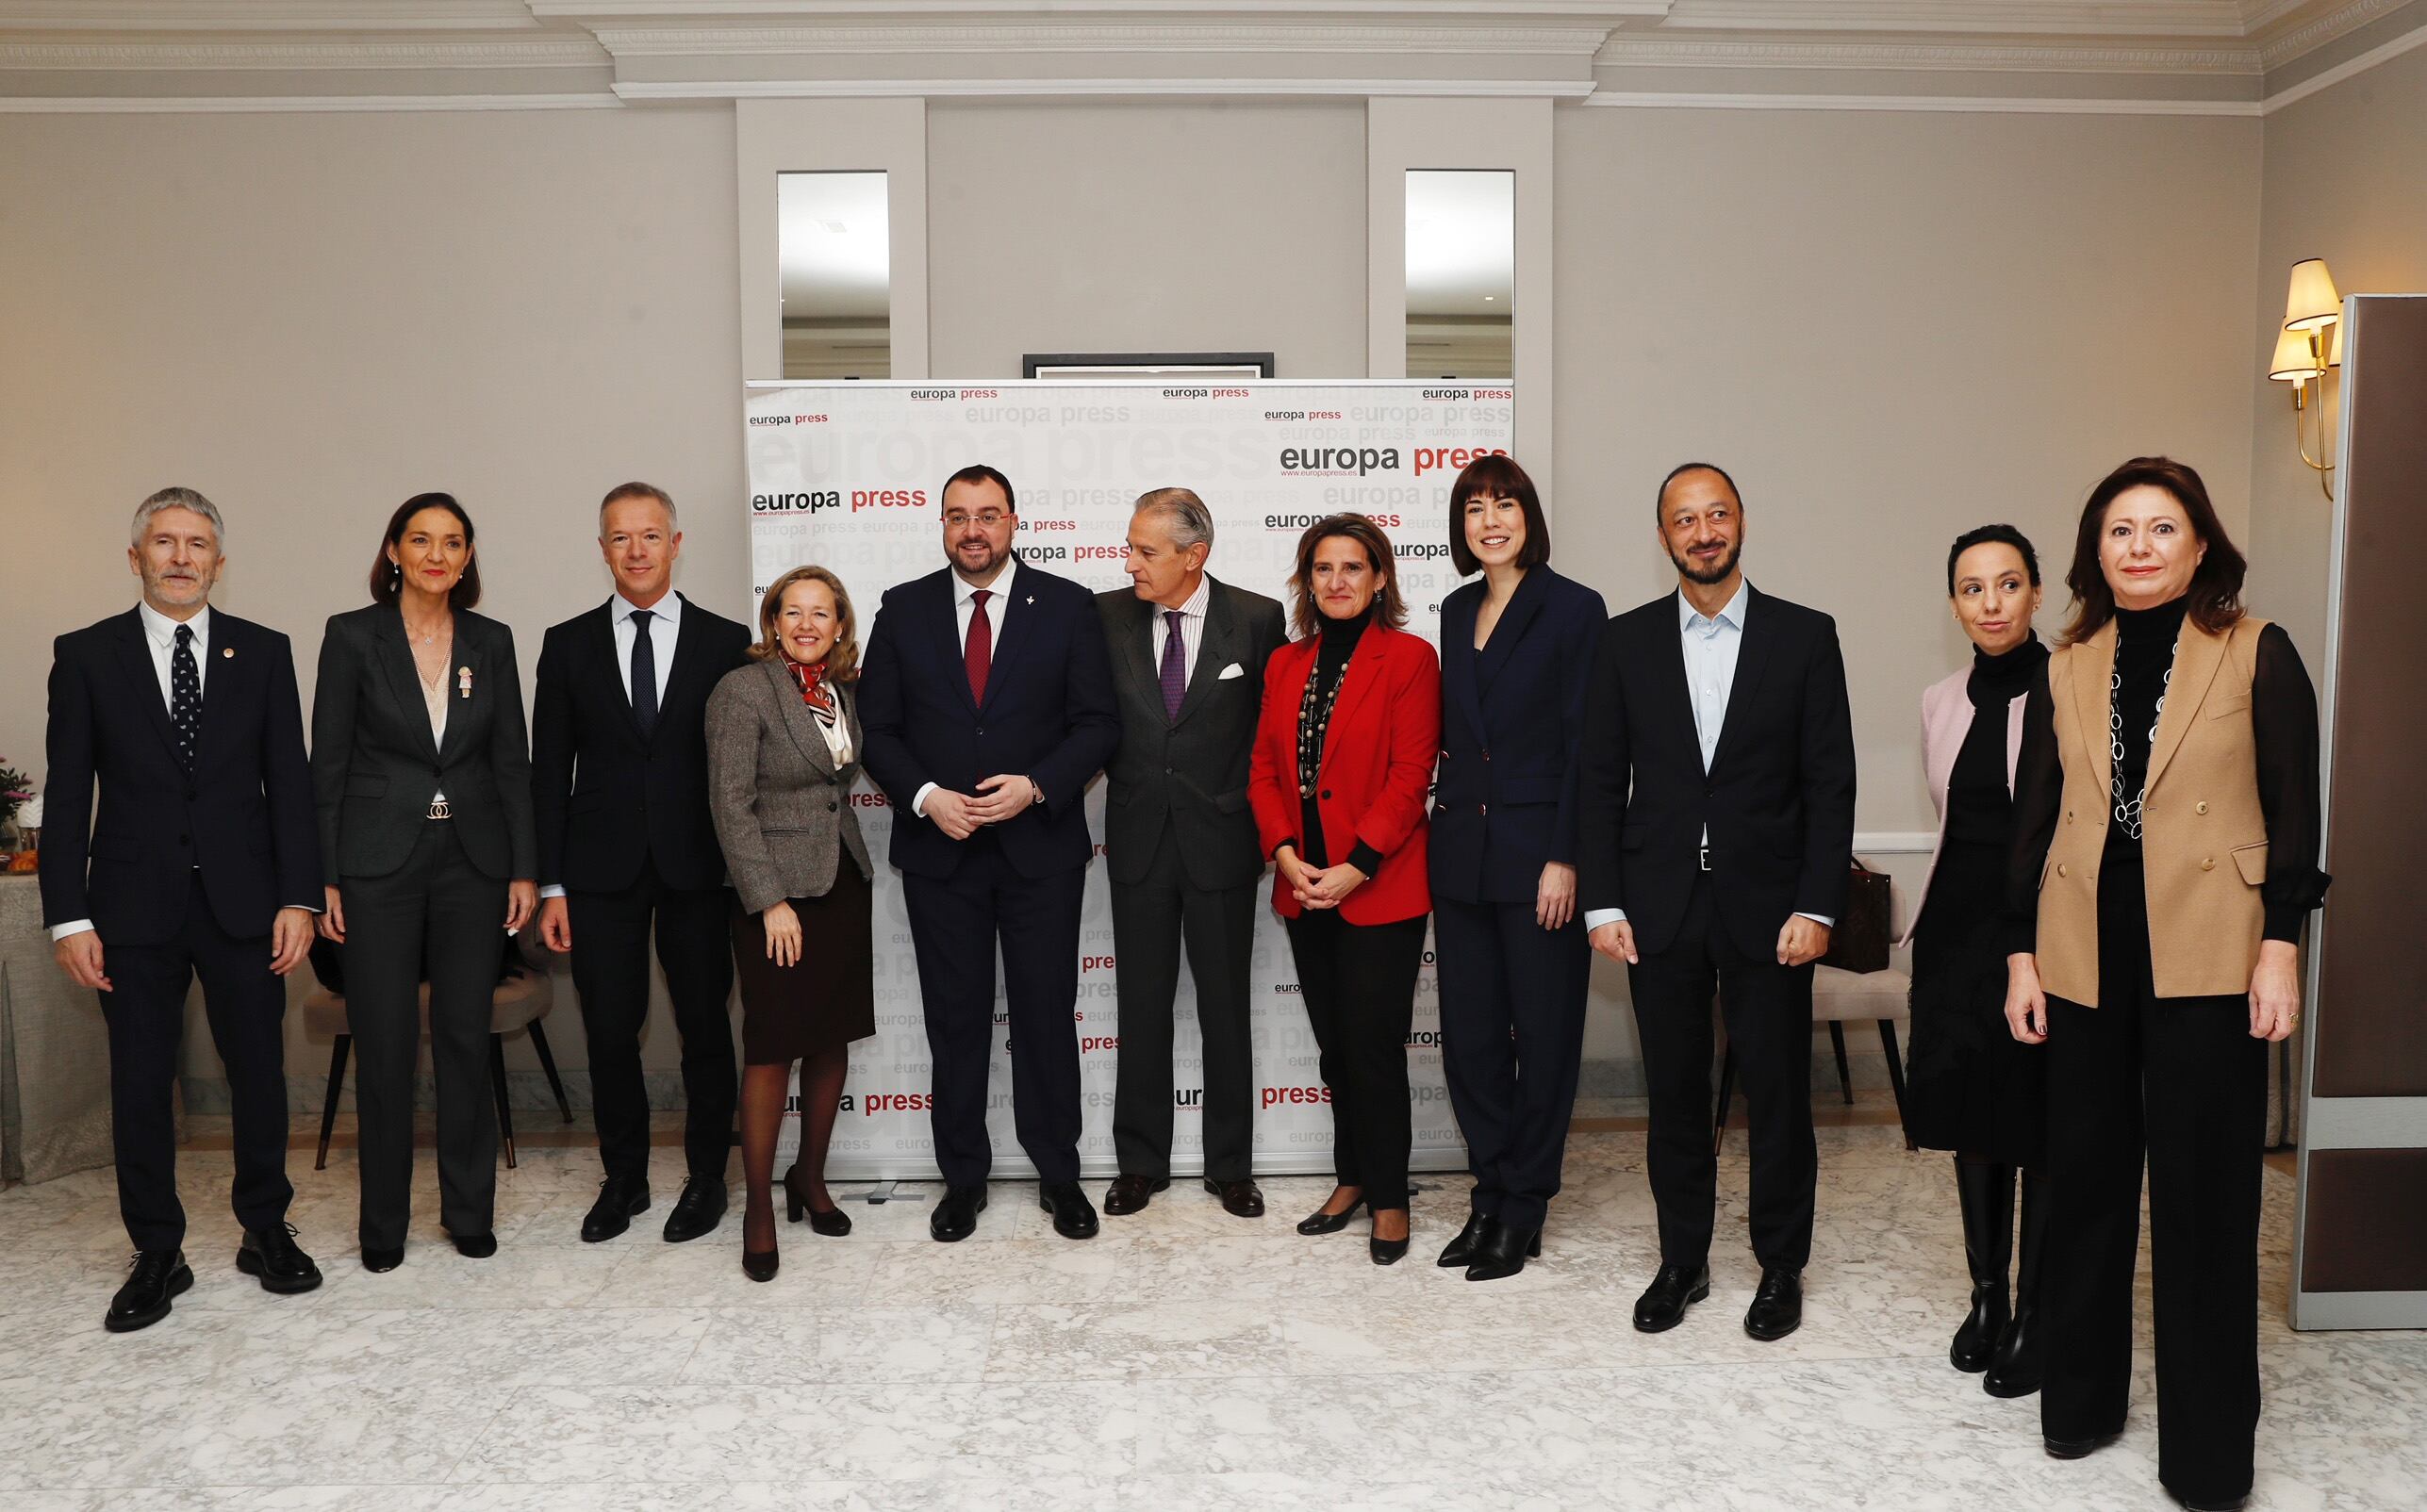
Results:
203 861
986 698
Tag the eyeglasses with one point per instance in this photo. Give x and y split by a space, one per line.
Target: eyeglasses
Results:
960 519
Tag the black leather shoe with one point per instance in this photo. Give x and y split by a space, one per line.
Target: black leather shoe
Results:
831 1222
761 1267
1240 1199
2201 1503
1674 1289
1985 1195
1504 1251
2078 1448
1130 1194
157 1277
1460 1253
273 1255
379 1261
1778 1307
955 1217
1074 1216
621 1200
2015 1366
1319 1222
698 1211
474 1246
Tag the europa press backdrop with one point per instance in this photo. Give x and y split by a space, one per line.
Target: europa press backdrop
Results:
848 475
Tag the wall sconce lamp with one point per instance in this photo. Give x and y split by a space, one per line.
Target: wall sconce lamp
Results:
2307 348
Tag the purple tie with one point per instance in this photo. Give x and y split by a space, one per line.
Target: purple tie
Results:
1175 666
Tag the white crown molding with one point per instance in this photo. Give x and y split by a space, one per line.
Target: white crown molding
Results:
289 104
267 15
2409 41
1406 11
1950 103
183 56
1100 37
2337 22
983 88
2092 18
1638 50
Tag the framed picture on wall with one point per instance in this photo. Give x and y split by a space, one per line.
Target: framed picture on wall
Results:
1085 367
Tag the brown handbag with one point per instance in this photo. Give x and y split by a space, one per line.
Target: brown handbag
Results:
1860 940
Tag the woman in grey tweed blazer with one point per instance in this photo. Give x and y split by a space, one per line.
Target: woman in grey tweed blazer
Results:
783 741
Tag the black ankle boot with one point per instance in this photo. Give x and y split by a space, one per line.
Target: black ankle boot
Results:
1986 1195
2014 1367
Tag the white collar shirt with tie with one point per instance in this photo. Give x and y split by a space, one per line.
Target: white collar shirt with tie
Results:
1192 629
665 628
161 639
964 606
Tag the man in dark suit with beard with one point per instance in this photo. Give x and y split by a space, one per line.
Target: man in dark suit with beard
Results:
987 705
204 861
1716 828
1188 666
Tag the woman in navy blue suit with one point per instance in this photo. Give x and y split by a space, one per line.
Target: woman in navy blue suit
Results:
1516 651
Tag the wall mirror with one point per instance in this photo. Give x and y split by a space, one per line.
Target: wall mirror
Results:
834 251
1461 272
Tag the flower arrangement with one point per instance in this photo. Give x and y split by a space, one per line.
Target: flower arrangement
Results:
16 788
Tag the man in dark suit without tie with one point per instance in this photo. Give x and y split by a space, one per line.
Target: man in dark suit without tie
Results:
619 790
987 704
1716 824
204 861
1188 666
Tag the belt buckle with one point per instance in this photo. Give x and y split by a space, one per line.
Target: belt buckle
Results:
1705 858
441 809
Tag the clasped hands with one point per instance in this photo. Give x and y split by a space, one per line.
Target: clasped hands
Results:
1316 887
998 798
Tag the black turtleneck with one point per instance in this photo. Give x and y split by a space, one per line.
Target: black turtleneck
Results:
2144 664
1980 805
1337 641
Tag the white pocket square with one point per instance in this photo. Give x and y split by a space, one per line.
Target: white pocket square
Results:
1234 669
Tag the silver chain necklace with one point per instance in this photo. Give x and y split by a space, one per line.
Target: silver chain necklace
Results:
2128 814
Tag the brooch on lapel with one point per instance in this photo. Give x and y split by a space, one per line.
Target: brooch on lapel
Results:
1031 599
463 682
227 651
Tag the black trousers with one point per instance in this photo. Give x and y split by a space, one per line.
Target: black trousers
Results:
1769 1012
955 924
436 917
1358 982
1152 919
2182 1079
146 1017
611 934
1512 1043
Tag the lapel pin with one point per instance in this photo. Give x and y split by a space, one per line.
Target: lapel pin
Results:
1031 599
463 682
227 650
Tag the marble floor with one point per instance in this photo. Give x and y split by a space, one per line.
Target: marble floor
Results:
1184 1360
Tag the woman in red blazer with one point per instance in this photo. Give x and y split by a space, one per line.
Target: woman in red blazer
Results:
1342 762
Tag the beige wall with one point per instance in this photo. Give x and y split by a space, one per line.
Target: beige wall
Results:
2346 180
1146 227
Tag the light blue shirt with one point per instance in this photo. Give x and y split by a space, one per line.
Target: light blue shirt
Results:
1710 643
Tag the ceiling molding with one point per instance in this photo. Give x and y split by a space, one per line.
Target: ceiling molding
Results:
1408 10
285 103
2081 17
1951 103
1100 37
1639 50
2338 21
267 15
193 56
984 88
2407 42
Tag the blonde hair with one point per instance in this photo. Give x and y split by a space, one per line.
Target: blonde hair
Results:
843 657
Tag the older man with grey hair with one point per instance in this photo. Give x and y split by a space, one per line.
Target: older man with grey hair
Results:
202 860
1188 672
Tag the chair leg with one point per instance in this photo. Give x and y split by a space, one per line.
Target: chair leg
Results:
328 1109
1727 1094
1845 1075
548 1064
497 1084
1895 1071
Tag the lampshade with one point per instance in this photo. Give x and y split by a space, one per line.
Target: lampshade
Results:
2311 301
2292 363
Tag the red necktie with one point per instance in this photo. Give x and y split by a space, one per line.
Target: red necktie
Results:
980 651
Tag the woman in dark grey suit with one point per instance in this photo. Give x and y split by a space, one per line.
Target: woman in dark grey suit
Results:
784 742
422 774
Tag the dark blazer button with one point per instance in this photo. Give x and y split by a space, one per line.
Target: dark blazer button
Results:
1326 793
830 805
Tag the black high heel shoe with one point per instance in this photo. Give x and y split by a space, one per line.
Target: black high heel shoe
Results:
1387 1251
831 1222
760 1265
1322 1222
1504 1253
1460 1252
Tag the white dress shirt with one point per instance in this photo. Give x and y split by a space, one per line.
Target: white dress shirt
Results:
1192 631
664 630
1710 643
965 604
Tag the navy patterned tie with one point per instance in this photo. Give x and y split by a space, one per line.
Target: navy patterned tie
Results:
185 695
1175 666
644 672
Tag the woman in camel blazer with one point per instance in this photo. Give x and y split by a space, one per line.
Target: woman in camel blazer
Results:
784 742
2167 829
